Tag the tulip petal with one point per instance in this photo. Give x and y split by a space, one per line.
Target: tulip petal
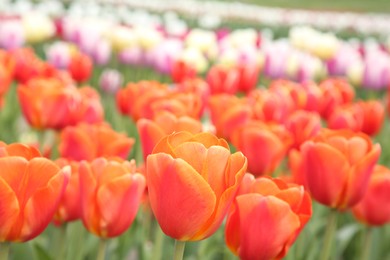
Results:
168 143
9 209
193 153
40 208
12 171
118 202
150 134
181 199
232 230
327 172
76 145
267 224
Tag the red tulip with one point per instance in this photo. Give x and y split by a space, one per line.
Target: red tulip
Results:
374 208
374 115
31 188
110 196
223 80
338 165
192 181
349 116
266 218
80 67
182 71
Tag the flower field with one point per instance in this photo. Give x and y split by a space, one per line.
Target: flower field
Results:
134 134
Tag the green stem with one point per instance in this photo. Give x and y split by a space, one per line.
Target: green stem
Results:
367 244
158 244
179 250
329 234
4 250
41 140
61 242
102 249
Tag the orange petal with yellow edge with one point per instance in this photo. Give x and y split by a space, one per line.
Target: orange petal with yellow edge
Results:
181 199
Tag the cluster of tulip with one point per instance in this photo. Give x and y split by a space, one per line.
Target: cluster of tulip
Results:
197 158
306 54
216 151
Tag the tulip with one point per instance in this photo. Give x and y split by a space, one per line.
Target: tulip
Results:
349 116
31 189
223 80
49 103
59 54
134 100
192 181
228 112
266 208
265 145
374 208
11 34
111 193
164 123
37 27
248 77
80 67
374 115
88 142
338 165
110 81
182 70
303 125
335 92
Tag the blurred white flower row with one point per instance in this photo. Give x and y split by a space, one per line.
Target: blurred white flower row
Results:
141 38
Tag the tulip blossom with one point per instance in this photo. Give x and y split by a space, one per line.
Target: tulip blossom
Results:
110 81
164 123
87 142
111 193
374 115
12 34
192 181
228 112
335 92
303 125
265 145
223 80
266 218
182 70
31 188
374 208
338 165
349 116
80 67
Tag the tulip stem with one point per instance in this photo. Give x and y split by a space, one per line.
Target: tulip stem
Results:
4 250
329 234
179 250
158 243
102 249
61 242
367 244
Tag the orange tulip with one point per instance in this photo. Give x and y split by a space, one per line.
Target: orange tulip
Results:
111 193
48 103
349 116
134 100
266 218
198 87
271 106
374 208
69 208
303 125
87 142
228 112
295 91
192 181
31 188
164 123
265 145
338 165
